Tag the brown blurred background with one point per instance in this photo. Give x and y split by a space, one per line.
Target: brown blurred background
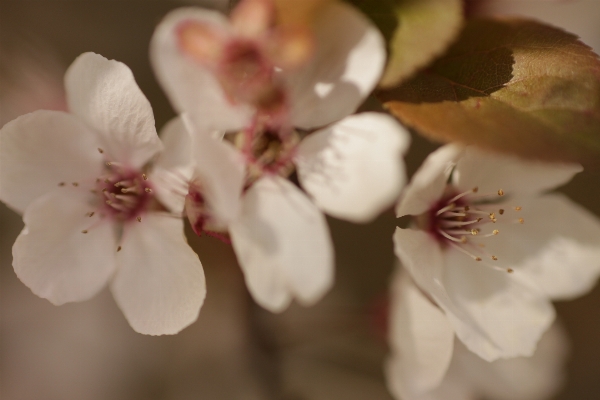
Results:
235 350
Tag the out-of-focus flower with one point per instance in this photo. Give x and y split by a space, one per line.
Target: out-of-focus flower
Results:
491 250
427 363
221 72
271 87
87 194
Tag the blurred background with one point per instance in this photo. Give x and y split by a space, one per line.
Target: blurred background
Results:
235 350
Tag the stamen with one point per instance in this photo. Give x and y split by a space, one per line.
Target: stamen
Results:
148 190
500 192
123 183
100 150
452 224
494 233
473 256
521 220
84 231
458 196
90 214
75 184
144 177
131 189
455 214
61 184
501 211
444 234
139 219
494 258
119 249
447 208
518 208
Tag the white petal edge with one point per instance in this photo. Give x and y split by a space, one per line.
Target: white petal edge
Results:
515 176
54 258
348 62
354 169
428 183
38 151
220 171
421 340
159 284
103 94
523 378
191 87
283 245
174 167
494 313
558 246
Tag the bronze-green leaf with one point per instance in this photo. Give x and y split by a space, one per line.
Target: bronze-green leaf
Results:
417 31
510 85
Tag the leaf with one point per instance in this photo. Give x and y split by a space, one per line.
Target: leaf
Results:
417 31
510 85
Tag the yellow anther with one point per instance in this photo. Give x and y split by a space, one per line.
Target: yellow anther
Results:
139 219
495 231
463 239
84 231
118 248
500 192
144 177
521 221
518 208
61 184
501 211
100 150
475 189
474 232
148 190
75 184
477 258
494 258
510 270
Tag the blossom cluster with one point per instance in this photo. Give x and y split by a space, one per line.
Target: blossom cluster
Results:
267 142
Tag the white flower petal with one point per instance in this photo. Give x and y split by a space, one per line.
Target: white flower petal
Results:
492 171
421 339
220 171
54 258
354 168
104 94
174 166
522 378
191 87
42 149
428 183
558 245
160 283
283 245
349 59
494 313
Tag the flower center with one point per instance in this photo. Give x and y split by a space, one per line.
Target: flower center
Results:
124 192
464 221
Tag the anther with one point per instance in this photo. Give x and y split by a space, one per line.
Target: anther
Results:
139 219
521 221
494 258
518 208
475 189
477 258
500 192
501 211
148 190
118 248
144 177
510 270
495 231
474 232
100 150
61 184
75 184
467 208
90 214
84 231
108 164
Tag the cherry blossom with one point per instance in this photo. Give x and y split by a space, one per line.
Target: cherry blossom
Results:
266 88
492 250
86 187
428 363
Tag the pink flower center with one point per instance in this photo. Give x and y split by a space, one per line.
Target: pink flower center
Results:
125 193
464 221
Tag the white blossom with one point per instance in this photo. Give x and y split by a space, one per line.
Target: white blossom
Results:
89 201
492 250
